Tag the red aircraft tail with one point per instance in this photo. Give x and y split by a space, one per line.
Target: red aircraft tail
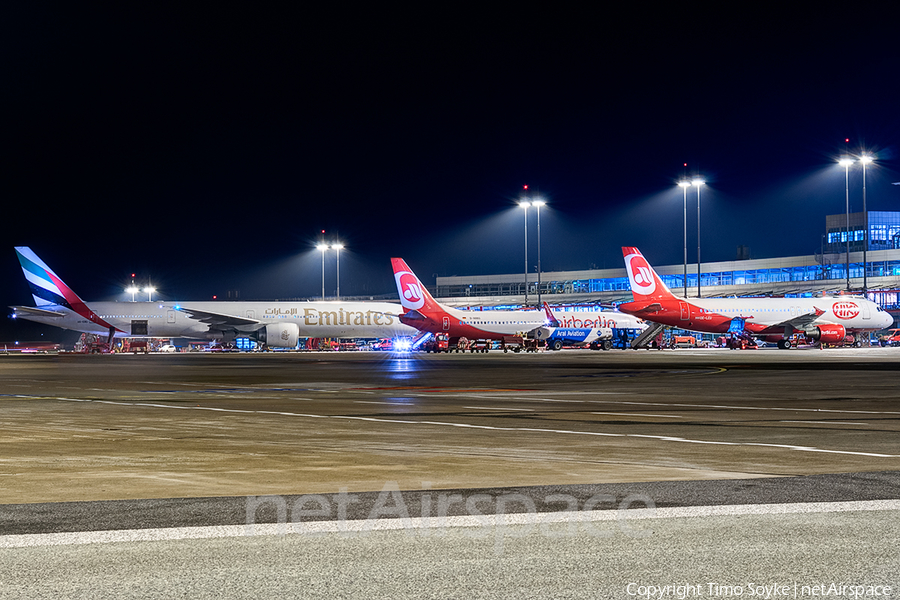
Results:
646 285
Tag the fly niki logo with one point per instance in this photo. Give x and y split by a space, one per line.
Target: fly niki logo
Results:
641 275
411 294
845 310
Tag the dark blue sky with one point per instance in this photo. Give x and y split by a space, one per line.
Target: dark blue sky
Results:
208 148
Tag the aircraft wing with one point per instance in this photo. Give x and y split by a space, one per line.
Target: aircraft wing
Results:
217 319
36 312
799 323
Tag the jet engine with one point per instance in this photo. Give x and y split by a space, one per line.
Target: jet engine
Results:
279 335
829 334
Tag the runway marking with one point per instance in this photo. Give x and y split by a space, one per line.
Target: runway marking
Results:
638 415
827 410
498 408
663 438
825 422
36 540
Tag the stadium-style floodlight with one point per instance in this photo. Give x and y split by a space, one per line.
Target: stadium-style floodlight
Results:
538 204
525 204
684 185
132 289
845 162
149 290
322 248
698 183
865 159
337 248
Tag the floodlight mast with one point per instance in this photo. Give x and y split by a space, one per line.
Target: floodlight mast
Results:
538 204
684 185
525 204
322 248
337 248
865 159
698 183
846 162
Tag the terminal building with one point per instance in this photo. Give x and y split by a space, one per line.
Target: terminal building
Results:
822 273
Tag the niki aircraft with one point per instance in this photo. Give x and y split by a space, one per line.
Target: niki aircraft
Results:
825 319
277 324
426 314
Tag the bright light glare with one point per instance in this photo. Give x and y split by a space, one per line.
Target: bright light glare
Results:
538 203
684 184
337 246
322 247
402 345
865 159
524 204
698 182
846 162
131 290
149 290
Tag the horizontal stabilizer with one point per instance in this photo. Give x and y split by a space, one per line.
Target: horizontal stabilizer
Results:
36 312
413 315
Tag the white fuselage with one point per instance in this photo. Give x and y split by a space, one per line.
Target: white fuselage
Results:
166 319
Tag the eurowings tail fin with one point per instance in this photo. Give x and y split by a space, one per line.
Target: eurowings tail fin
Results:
646 284
413 295
48 290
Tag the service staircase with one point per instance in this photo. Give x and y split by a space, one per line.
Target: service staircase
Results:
647 336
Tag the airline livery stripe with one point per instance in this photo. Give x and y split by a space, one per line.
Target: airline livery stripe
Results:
40 281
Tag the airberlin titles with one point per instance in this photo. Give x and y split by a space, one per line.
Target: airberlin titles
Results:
314 316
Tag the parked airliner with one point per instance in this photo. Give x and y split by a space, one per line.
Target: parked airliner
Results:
425 313
277 324
825 319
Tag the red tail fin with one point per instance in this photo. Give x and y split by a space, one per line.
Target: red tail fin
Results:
550 318
413 295
645 283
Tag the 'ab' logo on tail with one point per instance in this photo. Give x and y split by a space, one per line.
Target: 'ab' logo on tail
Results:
411 294
640 274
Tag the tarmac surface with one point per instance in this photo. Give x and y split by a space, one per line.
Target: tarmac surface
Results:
162 452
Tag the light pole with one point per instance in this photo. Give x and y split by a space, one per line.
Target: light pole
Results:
538 204
684 185
322 248
698 183
132 289
337 248
846 162
865 159
149 289
525 204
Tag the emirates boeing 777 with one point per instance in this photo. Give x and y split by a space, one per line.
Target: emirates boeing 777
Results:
277 324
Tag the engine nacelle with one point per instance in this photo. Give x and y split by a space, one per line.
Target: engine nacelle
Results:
829 334
279 335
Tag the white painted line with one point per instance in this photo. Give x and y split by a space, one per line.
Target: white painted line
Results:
498 408
825 422
663 438
637 415
489 521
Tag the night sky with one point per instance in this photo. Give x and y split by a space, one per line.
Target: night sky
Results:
207 149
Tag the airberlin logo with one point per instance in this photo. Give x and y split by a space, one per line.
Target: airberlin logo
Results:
641 275
411 295
845 310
